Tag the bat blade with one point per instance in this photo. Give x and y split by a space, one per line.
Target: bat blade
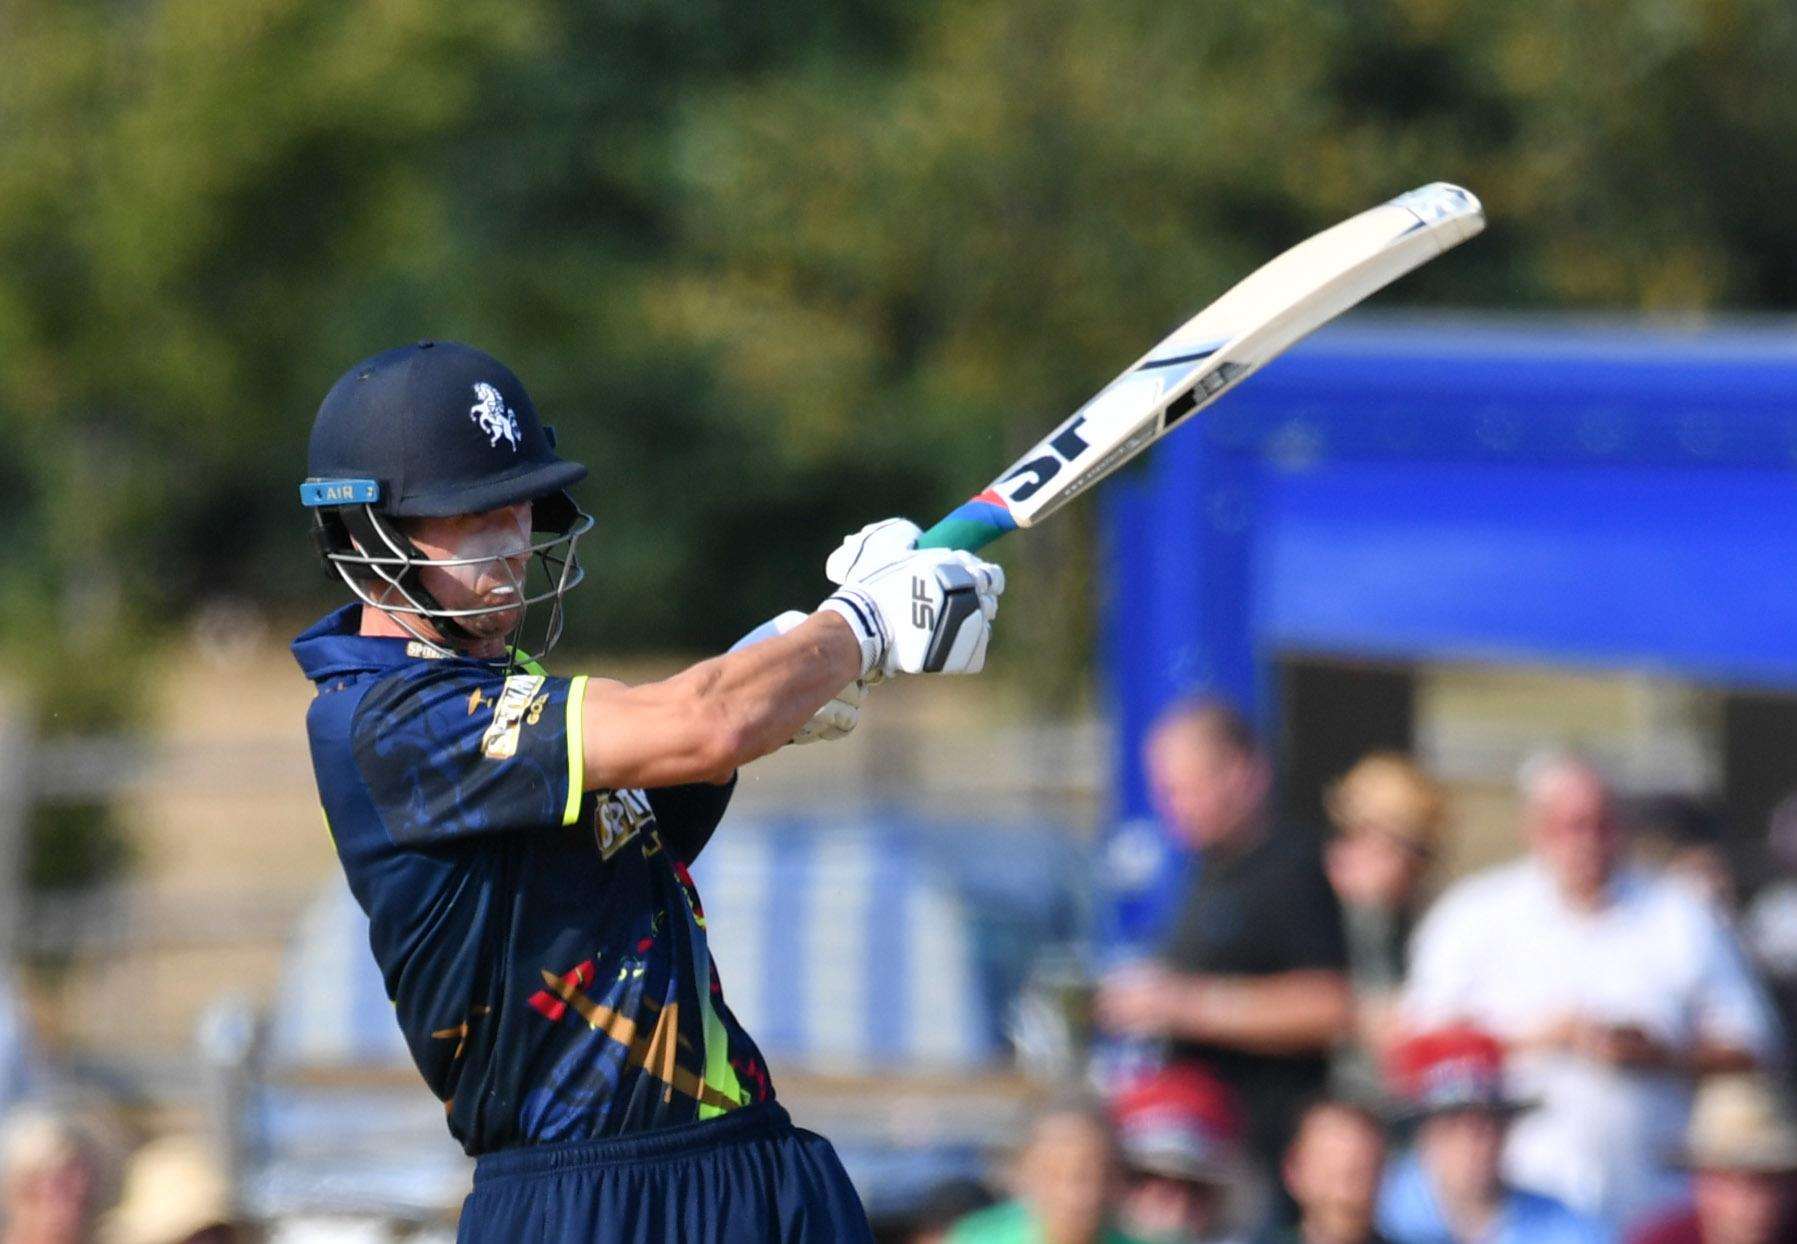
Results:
1274 306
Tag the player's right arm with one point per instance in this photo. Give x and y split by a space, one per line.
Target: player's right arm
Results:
912 612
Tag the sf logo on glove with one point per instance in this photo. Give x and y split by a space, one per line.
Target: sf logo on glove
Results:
923 612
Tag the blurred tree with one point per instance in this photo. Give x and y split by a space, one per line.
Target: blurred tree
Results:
931 266
774 269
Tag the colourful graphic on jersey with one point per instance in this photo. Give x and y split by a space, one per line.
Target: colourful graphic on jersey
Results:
714 1085
550 971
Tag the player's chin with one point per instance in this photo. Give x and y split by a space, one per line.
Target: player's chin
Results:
495 625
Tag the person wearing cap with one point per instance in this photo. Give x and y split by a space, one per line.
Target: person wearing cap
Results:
520 840
1388 816
1332 1171
1614 988
175 1193
1741 1149
1185 1177
1450 1188
1065 1183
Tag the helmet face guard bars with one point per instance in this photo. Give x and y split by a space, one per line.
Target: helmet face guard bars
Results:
383 568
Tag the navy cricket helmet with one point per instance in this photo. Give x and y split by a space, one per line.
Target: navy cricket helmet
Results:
432 430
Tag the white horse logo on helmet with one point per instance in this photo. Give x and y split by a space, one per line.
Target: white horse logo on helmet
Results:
494 416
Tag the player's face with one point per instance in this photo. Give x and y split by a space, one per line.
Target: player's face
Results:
488 554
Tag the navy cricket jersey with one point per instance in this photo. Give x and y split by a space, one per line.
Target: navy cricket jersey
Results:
544 948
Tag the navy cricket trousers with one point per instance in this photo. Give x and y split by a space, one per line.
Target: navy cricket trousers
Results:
748 1177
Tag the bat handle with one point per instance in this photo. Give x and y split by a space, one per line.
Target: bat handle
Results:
970 526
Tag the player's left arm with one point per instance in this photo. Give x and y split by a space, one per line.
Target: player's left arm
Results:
705 721
915 612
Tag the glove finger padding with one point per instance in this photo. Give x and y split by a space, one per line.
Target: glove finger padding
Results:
989 575
837 718
874 547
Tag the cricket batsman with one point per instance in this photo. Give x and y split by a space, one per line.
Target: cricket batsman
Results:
520 840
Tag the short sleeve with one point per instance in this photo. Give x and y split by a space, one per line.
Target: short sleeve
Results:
460 750
1446 968
1730 1006
1310 927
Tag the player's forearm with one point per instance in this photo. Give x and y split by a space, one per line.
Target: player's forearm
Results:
717 715
1291 1012
760 696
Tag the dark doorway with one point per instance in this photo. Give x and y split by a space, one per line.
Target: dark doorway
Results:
1331 713
1759 768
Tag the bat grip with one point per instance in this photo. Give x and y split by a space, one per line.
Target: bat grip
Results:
970 526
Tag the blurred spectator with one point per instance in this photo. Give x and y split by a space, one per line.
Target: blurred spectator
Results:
1333 1171
56 1174
1742 1150
1388 818
1682 837
1451 1190
1187 1181
1770 927
15 1046
1066 1182
945 1205
1613 987
175 1193
1252 982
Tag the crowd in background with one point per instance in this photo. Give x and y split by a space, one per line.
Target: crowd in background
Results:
1581 1045
68 1176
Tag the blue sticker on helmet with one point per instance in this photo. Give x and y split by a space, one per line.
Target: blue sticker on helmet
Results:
340 492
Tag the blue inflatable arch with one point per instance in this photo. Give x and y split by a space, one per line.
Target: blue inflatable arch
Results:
1536 491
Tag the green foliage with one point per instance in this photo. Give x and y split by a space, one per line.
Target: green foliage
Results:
772 269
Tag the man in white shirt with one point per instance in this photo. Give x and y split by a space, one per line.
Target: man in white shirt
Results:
1613 987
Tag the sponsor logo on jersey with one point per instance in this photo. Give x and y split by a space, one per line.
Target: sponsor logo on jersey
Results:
520 703
493 416
621 816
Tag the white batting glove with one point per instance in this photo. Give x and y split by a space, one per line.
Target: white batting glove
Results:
834 719
915 611
875 545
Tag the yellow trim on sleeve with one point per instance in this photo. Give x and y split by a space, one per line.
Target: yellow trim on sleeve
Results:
577 762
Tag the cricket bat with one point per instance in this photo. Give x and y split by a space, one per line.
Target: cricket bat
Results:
1275 305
